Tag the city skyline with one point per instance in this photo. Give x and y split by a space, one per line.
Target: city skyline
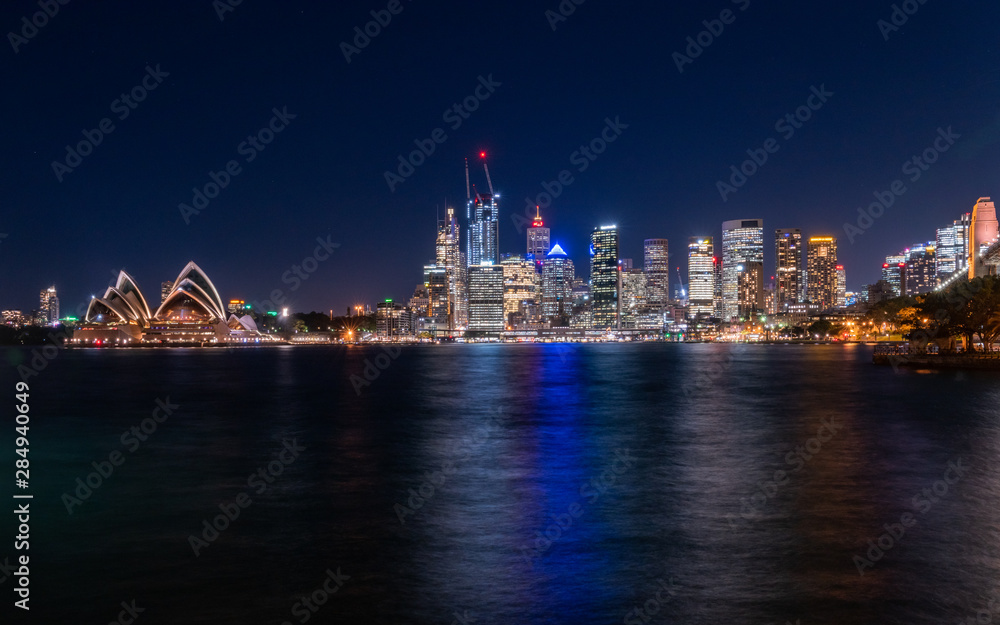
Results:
916 270
323 173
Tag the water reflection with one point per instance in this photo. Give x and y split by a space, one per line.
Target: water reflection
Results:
462 479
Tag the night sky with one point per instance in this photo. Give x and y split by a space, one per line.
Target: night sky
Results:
323 175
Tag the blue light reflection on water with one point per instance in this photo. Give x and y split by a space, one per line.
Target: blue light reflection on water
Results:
563 413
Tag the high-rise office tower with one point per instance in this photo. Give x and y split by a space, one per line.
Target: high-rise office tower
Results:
166 288
483 213
788 257
634 296
557 285
484 230
717 296
919 271
982 233
701 277
952 245
821 265
749 289
48 306
538 239
944 264
486 298
521 285
742 243
841 299
449 256
605 277
892 272
656 265
436 283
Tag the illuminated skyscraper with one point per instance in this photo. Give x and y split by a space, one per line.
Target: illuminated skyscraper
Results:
919 272
538 239
605 277
483 213
48 306
656 265
165 289
788 257
701 277
448 256
717 297
841 299
484 231
486 298
822 268
952 245
982 233
634 296
436 283
742 243
892 272
750 289
521 285
557 287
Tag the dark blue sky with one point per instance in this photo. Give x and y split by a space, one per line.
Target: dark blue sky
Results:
323 175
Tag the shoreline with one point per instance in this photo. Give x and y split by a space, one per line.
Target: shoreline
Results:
417 343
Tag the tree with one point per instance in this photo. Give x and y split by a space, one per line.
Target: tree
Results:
966 309
820 328
984 310
8 335
908 318
938 318
887 311
315 321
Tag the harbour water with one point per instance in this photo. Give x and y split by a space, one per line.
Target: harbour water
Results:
561 484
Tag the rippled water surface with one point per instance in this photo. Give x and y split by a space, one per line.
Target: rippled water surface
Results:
577 484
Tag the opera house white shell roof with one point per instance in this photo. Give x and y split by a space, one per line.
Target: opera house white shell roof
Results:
193 295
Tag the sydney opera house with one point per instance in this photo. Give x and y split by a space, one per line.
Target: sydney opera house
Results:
190 313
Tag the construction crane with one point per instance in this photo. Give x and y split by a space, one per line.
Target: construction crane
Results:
482 155
468 192
680 282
